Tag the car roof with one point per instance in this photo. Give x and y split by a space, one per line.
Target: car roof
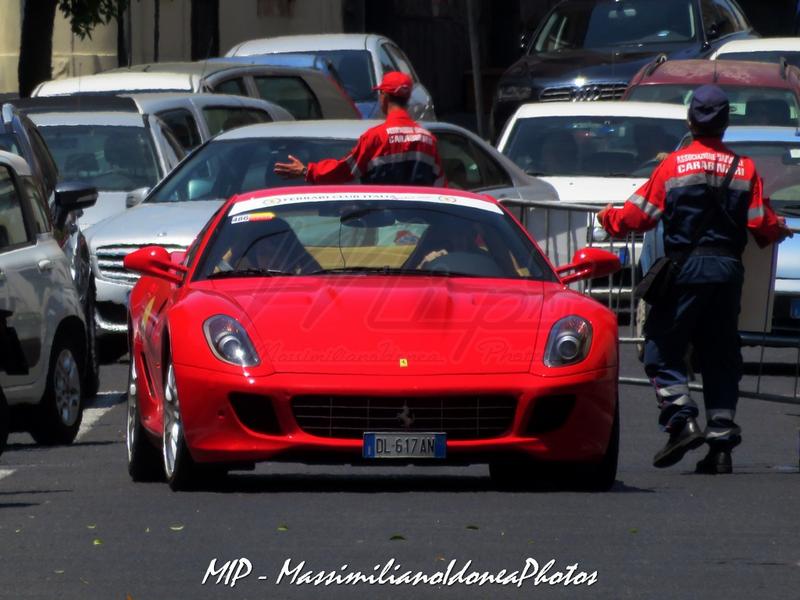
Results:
112 82
722 72
321 193
328 128
83 103
17 163
762 134
302 43
111 119
610 108
759 45
152 102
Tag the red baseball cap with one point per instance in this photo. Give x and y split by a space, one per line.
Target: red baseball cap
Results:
396 83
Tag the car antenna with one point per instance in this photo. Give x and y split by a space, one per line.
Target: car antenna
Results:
715 71
659 60
783 64
205 62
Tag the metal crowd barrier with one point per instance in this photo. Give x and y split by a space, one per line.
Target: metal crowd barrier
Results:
562 228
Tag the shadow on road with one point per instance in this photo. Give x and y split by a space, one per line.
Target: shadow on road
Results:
376 484
18 504
34 447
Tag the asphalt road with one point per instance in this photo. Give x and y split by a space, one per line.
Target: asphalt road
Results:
73 525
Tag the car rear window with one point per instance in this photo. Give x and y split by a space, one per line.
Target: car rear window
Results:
749 105
291 93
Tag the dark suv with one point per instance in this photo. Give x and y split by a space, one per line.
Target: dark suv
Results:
590 49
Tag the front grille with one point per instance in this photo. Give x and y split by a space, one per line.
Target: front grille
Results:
585 93
109 261
460 417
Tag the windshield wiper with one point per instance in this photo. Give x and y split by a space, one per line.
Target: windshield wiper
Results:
537 173
391 271
249 273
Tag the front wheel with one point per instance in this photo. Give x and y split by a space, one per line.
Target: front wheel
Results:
179 468
58 416
143 459
4 422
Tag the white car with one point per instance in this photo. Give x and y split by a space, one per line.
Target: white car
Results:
761 50
127 144
44 345
593 152
359 60
305 93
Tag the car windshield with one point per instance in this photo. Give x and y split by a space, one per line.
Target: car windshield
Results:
592 146
353 69
111 158
380 234
778 163
608 24
223 168
750 105
772 56
8 143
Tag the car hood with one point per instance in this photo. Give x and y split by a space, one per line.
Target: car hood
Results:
620 64
108 204
163 223
595 190
789 254
389 325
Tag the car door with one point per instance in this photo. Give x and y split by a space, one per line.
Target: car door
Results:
420 105
26 283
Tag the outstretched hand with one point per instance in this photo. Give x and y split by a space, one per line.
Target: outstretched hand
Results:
786 232
290 170
602 214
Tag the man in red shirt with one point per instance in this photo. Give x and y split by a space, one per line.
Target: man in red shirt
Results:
396 152
702 308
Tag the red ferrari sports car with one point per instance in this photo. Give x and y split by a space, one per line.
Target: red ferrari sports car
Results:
365 324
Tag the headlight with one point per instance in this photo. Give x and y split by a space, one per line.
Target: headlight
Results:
229 342
569 342
513 92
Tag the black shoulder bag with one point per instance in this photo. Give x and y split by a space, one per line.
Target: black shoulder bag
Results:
658 281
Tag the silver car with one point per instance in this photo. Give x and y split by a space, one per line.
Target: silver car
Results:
359 61
242 160
44 345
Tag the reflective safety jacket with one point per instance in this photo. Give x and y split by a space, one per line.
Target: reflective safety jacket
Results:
680 192
396 152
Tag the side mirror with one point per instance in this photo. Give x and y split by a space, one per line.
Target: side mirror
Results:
177 257
74 195
589 263
525 39
155 261
136 196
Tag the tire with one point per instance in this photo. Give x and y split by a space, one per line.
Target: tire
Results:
600 477
180 470
144 463
91 379
57 417
5 416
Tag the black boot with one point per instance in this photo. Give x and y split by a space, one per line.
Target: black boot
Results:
679 443
717 462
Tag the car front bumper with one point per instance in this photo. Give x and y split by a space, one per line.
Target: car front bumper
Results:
576 431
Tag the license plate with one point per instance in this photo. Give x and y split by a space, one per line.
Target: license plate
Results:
794 308
404 445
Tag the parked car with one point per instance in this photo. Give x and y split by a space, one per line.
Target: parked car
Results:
359 61
420 290
592 152
41 308
759 93
770 50
20 136
239 161
305 93
590 49
776 154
